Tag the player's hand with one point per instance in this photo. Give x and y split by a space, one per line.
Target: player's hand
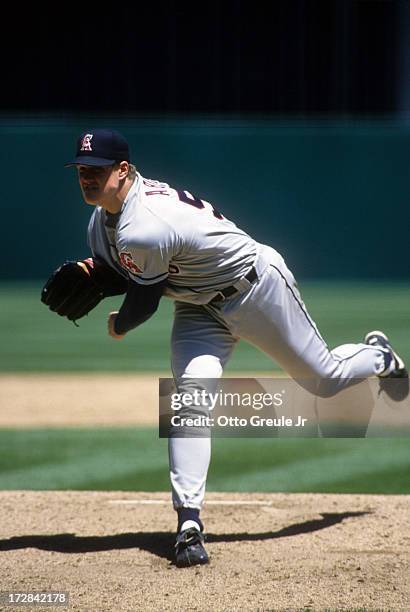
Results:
111 320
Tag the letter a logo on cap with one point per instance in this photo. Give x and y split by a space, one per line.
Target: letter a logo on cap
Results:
86 143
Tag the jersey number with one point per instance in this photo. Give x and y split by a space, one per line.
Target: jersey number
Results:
192 200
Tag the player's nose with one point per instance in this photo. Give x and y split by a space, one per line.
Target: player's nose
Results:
87 180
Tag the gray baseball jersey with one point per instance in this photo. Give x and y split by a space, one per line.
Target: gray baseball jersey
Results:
164 233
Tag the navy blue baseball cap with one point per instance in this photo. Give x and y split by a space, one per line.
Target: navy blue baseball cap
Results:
100 147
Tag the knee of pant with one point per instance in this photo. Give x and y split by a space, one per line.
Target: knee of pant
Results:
204 366
199 376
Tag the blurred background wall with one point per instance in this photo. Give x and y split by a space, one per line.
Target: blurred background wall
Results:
331 196
291 116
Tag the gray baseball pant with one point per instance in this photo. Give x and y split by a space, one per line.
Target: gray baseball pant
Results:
272 316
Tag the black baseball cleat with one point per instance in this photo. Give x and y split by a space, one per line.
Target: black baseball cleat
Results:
189 548
394 380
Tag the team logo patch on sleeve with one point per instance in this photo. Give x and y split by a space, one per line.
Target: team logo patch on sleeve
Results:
128 263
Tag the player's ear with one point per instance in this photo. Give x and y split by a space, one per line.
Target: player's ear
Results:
123 170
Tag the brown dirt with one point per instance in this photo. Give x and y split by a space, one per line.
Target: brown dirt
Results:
287 552
121 400
78 400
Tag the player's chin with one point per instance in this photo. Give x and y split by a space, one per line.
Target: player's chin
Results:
91 196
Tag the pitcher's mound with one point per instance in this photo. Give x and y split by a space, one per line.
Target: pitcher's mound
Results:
113 551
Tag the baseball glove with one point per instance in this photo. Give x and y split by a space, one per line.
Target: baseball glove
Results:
77 287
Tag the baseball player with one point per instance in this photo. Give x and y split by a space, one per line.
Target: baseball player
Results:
149 240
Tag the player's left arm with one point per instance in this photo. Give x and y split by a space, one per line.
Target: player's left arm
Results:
140 303
76 287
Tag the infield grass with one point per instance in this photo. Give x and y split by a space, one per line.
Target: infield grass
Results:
134 459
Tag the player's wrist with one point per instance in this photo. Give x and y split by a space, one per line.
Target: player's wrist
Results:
117 328
113 332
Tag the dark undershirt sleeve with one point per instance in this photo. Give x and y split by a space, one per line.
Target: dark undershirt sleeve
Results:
140 303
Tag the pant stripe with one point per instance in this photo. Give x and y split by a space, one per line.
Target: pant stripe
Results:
300 306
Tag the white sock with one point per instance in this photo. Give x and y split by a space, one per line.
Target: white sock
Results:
190 525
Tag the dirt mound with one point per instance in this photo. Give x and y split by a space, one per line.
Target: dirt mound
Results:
113 551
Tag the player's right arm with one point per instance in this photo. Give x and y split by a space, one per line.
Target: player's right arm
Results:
145 246
144 254
140 303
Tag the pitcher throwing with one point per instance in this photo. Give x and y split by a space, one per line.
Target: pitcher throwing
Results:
149 240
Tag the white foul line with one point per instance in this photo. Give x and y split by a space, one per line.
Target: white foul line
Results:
158 502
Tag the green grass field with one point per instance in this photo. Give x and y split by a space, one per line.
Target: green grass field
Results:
35 340
135 459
